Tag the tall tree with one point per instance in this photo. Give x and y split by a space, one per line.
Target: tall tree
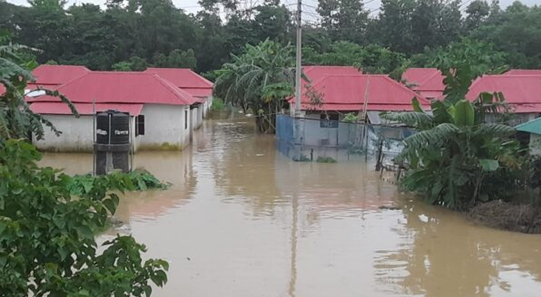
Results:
394 27
344 19
478 11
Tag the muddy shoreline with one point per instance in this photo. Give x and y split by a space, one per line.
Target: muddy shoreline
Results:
523 218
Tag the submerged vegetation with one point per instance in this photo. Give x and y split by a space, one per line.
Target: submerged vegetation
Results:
464 153
136 180
48 219
258 81
47 243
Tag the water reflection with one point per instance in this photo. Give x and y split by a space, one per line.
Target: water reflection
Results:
241 220
442 255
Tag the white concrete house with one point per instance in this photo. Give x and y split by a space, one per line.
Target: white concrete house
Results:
160 112
194 84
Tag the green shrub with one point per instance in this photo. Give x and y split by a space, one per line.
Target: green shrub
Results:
217 104
47 243
325 160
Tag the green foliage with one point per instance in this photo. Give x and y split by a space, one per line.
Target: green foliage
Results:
98 38
16 118
370 59
351 118
258 80
47 244
457 158
344 19
217 104
325 160
121 66
136 180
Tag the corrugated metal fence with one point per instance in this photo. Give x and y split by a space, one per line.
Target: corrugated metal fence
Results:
328 141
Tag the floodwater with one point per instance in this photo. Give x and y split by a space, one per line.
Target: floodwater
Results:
241 220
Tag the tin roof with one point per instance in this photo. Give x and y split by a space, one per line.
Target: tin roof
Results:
523 72
533 126
347 92
522 92
121 87
61 108
57 74
182 77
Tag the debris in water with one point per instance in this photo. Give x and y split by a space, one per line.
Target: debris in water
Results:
259 155
389 207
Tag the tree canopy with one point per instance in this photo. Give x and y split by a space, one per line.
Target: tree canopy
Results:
134 34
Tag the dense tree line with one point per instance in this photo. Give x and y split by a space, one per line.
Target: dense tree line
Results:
133 34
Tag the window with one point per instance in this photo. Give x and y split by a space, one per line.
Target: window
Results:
328 120
185 119
139 125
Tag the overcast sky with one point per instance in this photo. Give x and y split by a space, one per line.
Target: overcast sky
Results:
191 6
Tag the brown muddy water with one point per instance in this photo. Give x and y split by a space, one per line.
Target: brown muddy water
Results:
241 221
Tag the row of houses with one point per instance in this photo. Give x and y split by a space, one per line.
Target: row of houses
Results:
334 91
165 105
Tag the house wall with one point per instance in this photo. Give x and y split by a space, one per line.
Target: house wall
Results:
316 135
166 127
76 134
196 120
200 116
535 144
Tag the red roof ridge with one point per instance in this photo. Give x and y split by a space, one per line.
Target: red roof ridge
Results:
416 95
173 89
197 75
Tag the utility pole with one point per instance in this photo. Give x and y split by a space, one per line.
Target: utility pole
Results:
298 60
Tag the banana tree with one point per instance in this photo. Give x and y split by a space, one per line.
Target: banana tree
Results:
16 118
258 80
456 155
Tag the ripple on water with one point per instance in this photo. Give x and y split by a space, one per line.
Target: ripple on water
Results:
253 223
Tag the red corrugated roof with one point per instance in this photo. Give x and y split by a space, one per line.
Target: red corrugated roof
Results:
57 74
418 75
342 92
425 79
523 92
316 73
83 108
523 72
182 77
121 87
199 94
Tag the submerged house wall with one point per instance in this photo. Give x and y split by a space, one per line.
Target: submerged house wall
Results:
166 127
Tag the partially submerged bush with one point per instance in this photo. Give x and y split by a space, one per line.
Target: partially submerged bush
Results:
47 244
325 160
137 180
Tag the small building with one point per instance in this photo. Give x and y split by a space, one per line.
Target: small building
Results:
521 92
343 94
340 95
533 128
192 83
160 112
426 81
